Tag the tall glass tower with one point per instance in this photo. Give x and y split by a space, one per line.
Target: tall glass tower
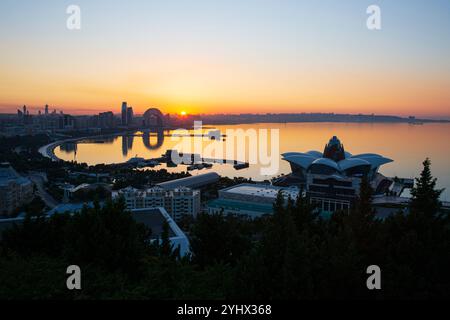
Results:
124 113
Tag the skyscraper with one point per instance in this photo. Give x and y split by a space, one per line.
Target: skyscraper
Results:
124 113
46 109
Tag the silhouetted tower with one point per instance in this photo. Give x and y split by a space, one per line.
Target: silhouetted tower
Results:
130 116
334 150
124 113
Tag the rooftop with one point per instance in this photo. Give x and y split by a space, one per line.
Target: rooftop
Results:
336 158
262 190
7 173
191 182
69 207
152 219
241 205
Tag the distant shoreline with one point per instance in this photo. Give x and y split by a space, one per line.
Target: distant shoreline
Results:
212 123
313 117
243 118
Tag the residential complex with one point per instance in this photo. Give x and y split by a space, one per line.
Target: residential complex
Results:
179 202
15 190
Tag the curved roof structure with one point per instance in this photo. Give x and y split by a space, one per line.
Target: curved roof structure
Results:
288 154
377 161
349 161
365 155
315 153
327 162
352 162
300 159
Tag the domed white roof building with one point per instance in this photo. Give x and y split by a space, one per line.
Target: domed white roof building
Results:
332 177
335 160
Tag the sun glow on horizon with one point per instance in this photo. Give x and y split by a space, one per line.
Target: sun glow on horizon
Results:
279 58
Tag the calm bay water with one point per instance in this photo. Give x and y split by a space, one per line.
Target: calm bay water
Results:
408 145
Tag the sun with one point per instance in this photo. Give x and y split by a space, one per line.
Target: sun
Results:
183 113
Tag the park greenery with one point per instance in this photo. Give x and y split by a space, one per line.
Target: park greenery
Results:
292 254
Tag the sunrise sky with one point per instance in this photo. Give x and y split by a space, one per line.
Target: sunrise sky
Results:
227 56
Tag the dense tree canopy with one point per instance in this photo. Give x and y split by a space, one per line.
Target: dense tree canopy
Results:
293 254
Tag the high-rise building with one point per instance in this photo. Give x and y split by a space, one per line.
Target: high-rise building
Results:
46 109
124 113
106 119
130 116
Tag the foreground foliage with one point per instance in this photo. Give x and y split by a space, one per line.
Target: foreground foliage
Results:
293 254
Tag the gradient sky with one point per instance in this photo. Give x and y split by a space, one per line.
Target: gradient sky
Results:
227 56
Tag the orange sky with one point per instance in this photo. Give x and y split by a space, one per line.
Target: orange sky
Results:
284 57
204 85
200 92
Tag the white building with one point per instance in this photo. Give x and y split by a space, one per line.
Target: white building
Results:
332 178
15 190
252 200
154 219
179 202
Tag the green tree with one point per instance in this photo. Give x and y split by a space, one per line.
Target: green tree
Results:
216 238
425 196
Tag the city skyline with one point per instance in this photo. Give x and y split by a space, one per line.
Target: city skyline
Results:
227 57
249 117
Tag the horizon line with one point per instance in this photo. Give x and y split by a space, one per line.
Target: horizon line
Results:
94 112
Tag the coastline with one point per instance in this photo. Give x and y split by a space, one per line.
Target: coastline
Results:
48 150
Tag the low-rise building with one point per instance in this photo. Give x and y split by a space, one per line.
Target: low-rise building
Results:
252 200
179 202
194 182
154 219
15 190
